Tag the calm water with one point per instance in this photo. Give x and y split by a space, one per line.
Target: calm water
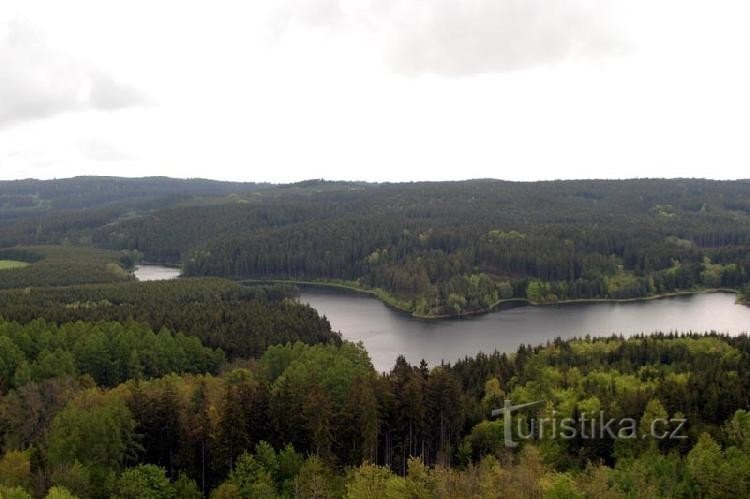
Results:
156 273
387 333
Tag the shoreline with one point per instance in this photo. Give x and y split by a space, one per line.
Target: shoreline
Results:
390 301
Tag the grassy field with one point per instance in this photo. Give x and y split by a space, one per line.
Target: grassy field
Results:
11 264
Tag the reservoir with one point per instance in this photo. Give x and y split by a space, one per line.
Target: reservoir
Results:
386 333
155 272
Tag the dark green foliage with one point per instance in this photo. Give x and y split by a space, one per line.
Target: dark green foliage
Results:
455 247
242 321
65 210
438 248
61 266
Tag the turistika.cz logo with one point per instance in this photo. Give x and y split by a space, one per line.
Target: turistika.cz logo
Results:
586 427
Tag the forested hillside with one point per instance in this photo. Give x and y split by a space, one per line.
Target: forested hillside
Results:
457 247
440 248
23 198
317 421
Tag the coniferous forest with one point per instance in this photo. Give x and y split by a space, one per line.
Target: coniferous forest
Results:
440 248
222 384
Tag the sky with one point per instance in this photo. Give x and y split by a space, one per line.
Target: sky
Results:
377 90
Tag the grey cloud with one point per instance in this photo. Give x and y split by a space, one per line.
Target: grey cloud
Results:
456 38
37 81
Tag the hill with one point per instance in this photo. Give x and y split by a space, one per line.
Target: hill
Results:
442 248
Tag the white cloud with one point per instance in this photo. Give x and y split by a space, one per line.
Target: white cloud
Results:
100 150
459 38
37 81
317 88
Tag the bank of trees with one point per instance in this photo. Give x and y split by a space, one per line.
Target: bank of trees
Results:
240 320
317 421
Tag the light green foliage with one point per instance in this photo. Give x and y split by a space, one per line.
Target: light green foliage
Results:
329 403
15 469
621 285
456 303
47 365
562 486
705 464
535 292
59 493
252 478
315 479
144 481
313 388
472 292
655 419
738 430
335 368
13 493
73 477
290 463
493 395
374 482
419 481
109 352
226 490
12 264
266 457
186 488
95 429
498 236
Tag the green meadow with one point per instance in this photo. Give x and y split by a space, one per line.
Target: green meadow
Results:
11 264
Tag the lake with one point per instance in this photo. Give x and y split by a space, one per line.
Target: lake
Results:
155 272
386 333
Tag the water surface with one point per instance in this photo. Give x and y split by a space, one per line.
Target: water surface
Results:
155 272
386 333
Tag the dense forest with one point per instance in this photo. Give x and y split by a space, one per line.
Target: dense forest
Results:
446 247
30 198
242 321
109 352
63 265
208 387
317 421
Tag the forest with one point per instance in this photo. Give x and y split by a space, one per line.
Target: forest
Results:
241 321
208 386
62 265
317 421
439 248
30 198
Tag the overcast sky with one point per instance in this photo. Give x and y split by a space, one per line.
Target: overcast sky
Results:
284 90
